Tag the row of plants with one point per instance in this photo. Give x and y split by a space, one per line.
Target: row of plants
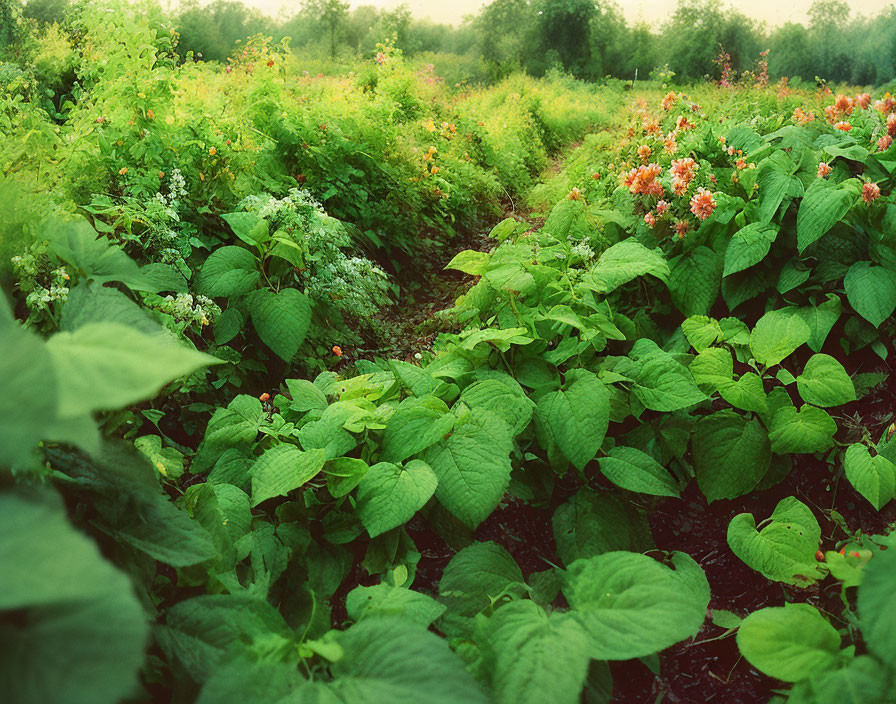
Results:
193 516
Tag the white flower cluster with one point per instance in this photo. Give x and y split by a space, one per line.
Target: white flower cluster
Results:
199 310
177 189
349 282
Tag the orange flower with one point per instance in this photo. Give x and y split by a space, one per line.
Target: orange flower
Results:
643 180
891 124
575 194
843 104
670 145
884 143
123 170
702 204
650 219
644 152
863 100
870 192
337 350
682 227
661 207
824 169
668 101
802 118
212 151
150 114
265 397
843 126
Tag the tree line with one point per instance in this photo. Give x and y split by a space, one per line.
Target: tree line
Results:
587 38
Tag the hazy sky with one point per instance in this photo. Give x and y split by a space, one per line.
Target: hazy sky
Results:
772 11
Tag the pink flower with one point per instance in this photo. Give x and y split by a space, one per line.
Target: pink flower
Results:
702 204
824 169
870 192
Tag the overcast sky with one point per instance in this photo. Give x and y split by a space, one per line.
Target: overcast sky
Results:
452 11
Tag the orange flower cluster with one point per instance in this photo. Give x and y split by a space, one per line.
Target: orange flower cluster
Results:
682 174
682 227
843 126
863 100
870 192
888 104
670 146
844 105
668 101
702 204
683 124
643 180
650 126
802 118
661 208
650 219
884 143
891 124
824 169
575 194
644 152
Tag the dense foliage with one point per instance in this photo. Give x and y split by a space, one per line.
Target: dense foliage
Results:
208 494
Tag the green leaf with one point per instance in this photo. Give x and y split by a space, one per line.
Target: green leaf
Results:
233 427
824 382
873 477
417 424
78 244
748 246
577 417
305 396
522 647
661 382
862 681
390 660
634 470
623 262
784 550
250 228
389 496
731 454
476 575
228 326
632 606
283 468
28 404
473 467
73 632
591 523
747 393
791 642
821 319
823 205
808 430
701 331
470 262
388 600
694 280
877 603
777 335
871 291
229 272
107 366
281 319
507 401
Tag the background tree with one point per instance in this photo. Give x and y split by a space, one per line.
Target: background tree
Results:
331 14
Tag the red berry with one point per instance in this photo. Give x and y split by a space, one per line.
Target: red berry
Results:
819 555
265 397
